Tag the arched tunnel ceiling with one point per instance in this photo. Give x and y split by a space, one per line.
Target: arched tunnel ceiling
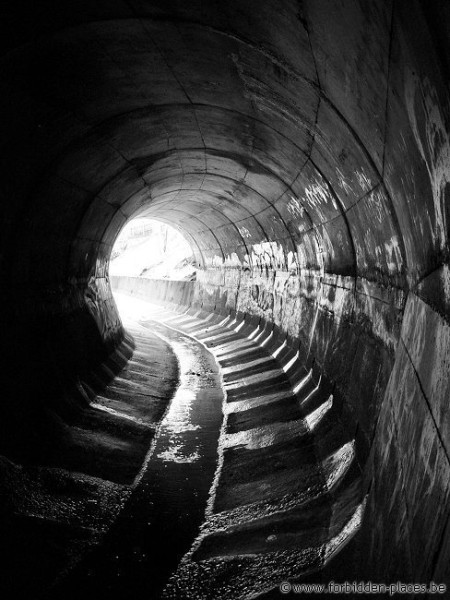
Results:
240 131
304 142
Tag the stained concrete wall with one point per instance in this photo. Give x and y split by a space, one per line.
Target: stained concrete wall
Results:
303 149
163 291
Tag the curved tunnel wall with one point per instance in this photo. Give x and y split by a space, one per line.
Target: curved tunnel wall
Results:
303 149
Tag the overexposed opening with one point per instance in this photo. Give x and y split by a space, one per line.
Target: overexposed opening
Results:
151 249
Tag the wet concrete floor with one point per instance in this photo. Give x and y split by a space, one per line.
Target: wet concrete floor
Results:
235 495
162 517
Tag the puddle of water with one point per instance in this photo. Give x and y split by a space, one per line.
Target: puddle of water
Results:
163 515
181 468
177 454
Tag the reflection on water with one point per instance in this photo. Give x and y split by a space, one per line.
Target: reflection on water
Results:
178 455
178 421
290 526
181 468
167 507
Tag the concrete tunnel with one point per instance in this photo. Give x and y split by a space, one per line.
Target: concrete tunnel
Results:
303 150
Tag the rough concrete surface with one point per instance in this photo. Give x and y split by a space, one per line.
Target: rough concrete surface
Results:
303 149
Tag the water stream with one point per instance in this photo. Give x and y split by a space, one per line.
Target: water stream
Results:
163 515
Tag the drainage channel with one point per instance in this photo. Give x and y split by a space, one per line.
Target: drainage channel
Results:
163 515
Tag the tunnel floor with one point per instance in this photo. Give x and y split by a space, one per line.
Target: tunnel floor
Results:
166 508
232 480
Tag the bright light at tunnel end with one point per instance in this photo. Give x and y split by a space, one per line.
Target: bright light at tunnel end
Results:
151 249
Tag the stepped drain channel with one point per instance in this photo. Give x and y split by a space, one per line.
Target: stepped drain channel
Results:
208 507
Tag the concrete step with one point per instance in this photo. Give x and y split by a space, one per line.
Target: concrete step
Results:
280 494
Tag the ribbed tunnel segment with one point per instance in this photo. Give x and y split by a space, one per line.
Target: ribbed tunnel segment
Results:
303 150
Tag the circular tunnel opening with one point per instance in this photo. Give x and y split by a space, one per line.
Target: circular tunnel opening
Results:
151 249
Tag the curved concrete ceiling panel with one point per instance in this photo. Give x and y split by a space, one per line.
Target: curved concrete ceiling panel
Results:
303 150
